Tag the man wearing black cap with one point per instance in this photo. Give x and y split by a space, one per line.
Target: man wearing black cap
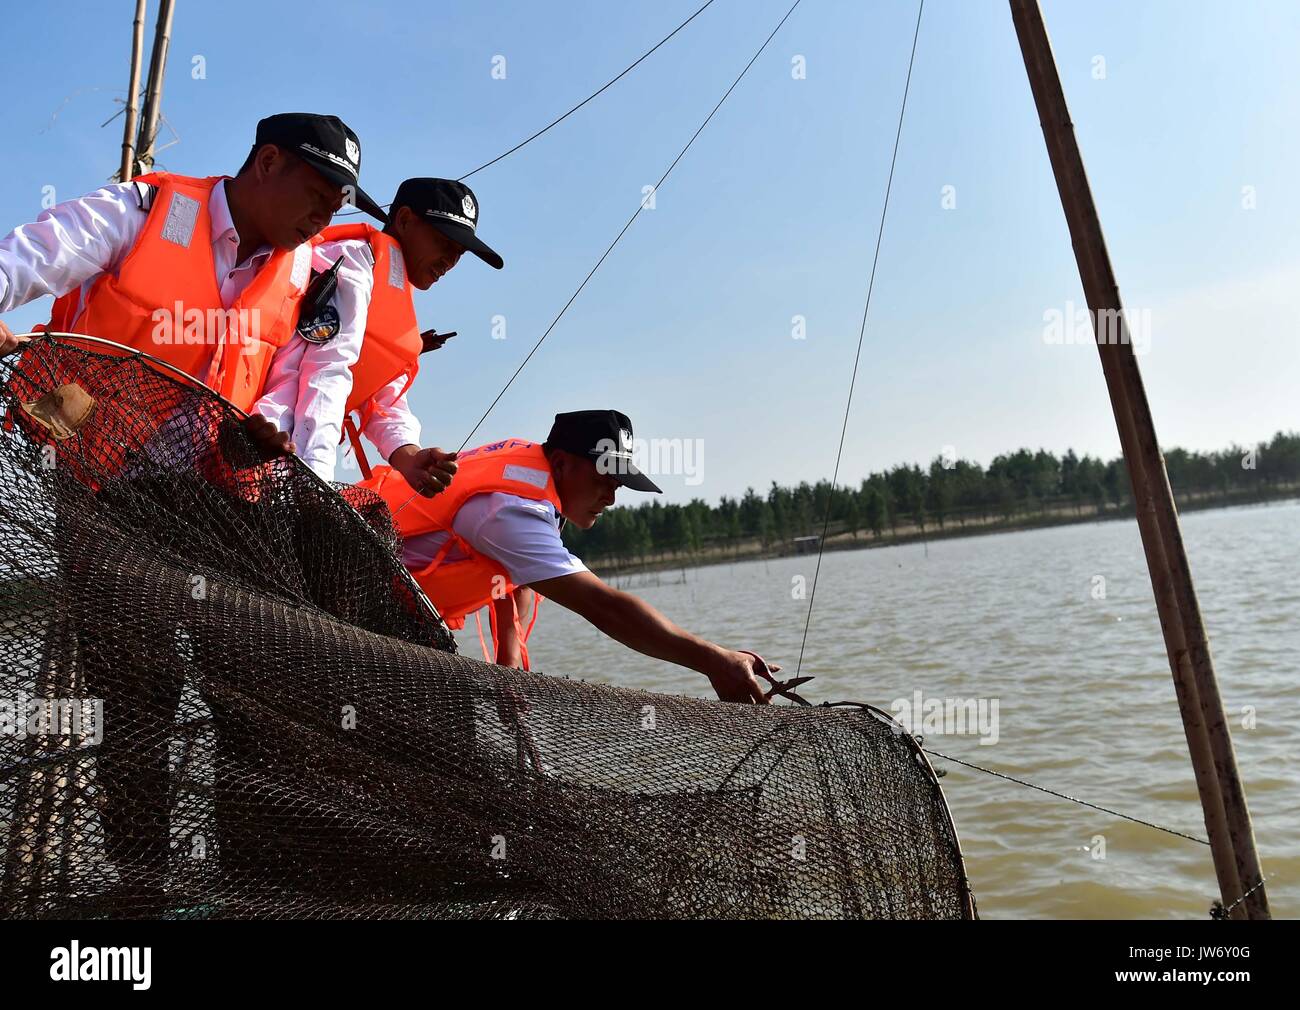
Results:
360 354
126 263
124 260
497 530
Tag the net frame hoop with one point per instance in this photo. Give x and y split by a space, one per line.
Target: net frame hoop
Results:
919 752
28 340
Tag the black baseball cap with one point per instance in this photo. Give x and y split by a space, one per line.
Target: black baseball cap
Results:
605 436
327 144
449 206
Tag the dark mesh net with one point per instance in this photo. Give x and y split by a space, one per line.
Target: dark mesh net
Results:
222 696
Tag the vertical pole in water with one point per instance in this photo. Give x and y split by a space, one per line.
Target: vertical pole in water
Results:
152 112
1223 800
127 169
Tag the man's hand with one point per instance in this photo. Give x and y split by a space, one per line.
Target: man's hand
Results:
8 342
428 471
269 441
432 340
733 679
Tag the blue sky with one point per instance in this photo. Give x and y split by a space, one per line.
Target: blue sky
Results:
773 212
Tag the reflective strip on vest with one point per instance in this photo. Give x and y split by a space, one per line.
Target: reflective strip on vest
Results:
300 275
397 270
391 346
528 475
182 216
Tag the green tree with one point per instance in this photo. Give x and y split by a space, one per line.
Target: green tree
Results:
874 509
940 489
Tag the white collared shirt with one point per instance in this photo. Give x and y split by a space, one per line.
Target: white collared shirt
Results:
71 244
317 378
520 534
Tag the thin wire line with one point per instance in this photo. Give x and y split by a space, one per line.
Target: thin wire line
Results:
640 207
871 284
594 94
1066 796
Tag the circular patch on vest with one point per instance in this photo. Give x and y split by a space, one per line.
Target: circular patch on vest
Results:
322 329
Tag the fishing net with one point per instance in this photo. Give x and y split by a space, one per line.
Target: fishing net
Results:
221 695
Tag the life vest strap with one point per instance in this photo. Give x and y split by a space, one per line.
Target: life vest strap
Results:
438 558
488 657
521 633
354 436
537 606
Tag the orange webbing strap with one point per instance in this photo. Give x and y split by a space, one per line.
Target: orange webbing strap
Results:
354 436
432 566
521 634
410 381
537 605
492 621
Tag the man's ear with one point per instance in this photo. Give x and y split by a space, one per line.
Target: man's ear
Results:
559 468
401 220
268 160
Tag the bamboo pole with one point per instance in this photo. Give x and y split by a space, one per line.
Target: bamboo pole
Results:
127 169
1223 799
153 95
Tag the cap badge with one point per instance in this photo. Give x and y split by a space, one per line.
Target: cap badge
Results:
624 440
468 205
353 152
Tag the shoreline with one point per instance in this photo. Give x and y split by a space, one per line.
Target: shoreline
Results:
753 550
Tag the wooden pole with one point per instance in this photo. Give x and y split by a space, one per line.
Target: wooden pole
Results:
1223 799
132 95
153 95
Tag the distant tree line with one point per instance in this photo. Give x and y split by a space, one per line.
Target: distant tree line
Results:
1014 487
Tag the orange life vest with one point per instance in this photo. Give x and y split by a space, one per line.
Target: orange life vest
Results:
459 588
164 299
391 347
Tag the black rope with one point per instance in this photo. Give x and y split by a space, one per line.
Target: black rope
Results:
593 95
556 122
871 284
640 207
881 714
1066 796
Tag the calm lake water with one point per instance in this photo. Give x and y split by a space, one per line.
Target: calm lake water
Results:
1086 703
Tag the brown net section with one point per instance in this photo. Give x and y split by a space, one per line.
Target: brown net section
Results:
221 695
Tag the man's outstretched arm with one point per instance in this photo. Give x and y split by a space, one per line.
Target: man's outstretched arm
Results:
636 624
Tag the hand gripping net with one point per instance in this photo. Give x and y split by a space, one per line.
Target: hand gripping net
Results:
221 695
